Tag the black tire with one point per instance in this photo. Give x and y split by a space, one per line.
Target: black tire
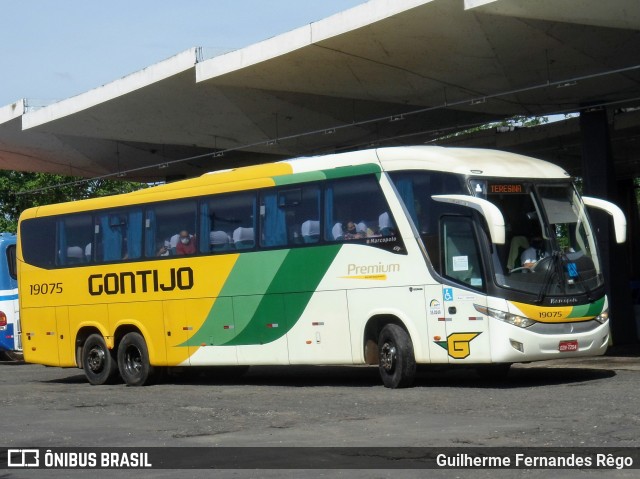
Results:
98 363
494 372
15 356
397 364
133 360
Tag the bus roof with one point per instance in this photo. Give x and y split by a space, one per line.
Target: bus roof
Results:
469 161
464 161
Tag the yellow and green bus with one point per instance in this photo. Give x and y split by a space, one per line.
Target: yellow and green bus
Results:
391 256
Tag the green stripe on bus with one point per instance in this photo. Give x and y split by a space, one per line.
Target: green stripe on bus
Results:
279 310
356 170
341 172
586 310
268 291
299 178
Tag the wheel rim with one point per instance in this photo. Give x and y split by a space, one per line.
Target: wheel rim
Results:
96 359
133 361
388 356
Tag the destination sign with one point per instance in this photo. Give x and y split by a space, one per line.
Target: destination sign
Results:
506 188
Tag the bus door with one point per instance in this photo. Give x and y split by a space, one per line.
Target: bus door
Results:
467 331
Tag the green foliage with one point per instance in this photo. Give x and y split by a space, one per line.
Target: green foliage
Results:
20 190
509 124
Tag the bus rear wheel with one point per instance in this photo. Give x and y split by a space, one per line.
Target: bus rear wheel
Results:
397 364
133 360
99 365
11 356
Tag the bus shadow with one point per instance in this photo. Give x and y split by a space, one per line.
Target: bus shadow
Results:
361 376
515 379
291 376
75 379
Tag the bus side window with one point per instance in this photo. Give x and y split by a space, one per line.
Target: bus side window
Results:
163 223
357 210
119 236
11 261
461 254
39 247
227 222
284 212
73 233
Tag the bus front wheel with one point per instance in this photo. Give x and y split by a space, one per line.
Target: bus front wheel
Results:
133 360
397 363
99 365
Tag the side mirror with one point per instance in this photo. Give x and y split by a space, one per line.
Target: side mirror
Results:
491 213
619 220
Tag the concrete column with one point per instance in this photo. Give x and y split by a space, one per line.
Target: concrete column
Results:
599 181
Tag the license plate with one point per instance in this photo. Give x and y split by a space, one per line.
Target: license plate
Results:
566 346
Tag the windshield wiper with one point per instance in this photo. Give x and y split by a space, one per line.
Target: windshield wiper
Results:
558 260
548 277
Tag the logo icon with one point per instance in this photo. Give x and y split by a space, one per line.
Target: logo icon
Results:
23 458
457 344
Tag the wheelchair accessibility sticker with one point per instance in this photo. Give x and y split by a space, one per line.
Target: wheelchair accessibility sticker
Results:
448 294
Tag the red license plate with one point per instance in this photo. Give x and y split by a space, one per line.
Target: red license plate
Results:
566 346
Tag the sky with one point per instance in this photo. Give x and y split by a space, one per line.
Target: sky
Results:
54 49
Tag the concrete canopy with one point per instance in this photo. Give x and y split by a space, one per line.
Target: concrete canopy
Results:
384 72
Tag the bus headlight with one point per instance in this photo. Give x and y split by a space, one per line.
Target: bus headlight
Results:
603 317
514 319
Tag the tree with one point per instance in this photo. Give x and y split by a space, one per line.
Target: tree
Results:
20 190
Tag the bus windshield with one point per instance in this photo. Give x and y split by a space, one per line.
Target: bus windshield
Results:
550 248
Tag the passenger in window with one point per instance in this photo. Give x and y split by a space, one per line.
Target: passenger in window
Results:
186 243
533 253
165 249
352 232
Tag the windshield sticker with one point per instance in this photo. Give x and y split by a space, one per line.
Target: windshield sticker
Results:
460 263
572 269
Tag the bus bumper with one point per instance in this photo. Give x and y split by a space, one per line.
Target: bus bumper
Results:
511 344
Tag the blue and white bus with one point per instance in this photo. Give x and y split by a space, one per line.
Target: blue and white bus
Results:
10 340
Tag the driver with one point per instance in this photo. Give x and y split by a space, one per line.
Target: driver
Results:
533 253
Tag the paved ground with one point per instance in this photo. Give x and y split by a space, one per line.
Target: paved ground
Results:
578 403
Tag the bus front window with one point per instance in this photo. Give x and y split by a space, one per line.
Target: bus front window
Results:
550 248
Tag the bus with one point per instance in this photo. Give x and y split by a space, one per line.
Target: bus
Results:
392 257
10 333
